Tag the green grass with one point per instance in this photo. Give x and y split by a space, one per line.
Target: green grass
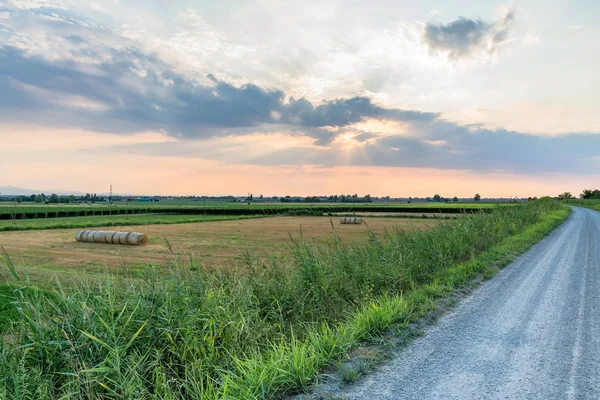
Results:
33 207
262 333
115 220
592 204
41 209
8 312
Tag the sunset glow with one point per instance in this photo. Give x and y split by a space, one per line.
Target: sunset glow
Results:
307 99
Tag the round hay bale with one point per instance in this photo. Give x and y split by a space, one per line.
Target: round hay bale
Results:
357 220
123 237
92 236
351 220
84 235
115 238
137 239
78 235
99 236
342 220
109 236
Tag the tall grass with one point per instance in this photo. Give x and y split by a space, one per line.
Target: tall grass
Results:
594 204
258 333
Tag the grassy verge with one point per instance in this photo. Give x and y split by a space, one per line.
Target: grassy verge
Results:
117 220
263 333
592 204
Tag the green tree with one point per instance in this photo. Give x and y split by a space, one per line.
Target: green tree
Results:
590 194
565 196
437 198
477 197
455 199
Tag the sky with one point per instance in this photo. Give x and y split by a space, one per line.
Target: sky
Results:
386 97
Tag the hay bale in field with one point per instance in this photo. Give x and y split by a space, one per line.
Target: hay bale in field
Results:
99 237
123 237
112 237
351 220
137 239
108 238
116 239
83 235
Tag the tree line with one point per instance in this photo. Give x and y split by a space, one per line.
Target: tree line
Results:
56 199
587 194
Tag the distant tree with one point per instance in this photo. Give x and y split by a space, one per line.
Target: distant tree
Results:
32 197
437 198
565 196
455 199
260 197
53 198
38 198
477 197
590 194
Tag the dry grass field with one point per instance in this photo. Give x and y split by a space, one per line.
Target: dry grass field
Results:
212 244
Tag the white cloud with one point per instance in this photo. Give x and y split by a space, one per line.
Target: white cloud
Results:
36 4
530 39
4 15
574 27
433 13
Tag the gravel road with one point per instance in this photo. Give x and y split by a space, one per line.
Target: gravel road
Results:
532 332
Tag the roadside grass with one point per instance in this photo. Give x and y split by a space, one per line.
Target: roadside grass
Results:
591 204
116 220
262 333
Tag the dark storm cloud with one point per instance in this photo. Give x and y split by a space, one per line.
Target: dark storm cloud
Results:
465 36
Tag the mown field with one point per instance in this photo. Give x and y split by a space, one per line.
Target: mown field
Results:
211 244
262 331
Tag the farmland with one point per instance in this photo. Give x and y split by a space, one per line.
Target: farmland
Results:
31 211
112 221
215 244
262 327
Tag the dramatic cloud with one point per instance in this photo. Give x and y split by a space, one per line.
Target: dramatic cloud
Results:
465 37
134 91
437 145
59 70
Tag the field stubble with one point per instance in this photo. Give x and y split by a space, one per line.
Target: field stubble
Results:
212 244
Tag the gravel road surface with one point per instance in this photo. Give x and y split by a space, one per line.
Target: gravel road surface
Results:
532 332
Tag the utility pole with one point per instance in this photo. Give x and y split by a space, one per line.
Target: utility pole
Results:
110 196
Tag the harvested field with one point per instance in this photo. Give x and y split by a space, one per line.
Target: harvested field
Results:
214 244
